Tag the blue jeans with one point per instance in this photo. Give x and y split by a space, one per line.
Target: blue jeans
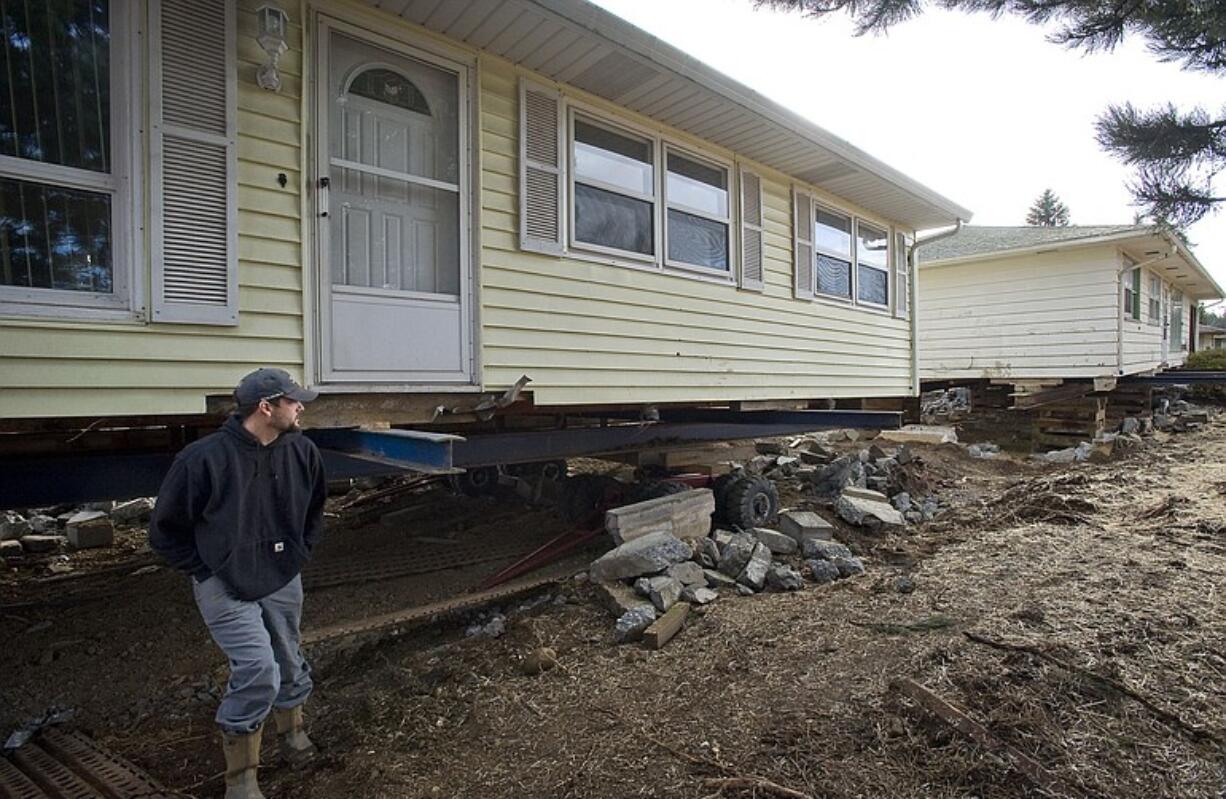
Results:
261 640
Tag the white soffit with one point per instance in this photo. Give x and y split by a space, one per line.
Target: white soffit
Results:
577 43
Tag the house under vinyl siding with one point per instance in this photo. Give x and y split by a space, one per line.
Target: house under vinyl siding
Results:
587 330
999 303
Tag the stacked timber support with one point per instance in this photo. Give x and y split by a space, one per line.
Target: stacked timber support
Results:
1129 400
1066 424
990 395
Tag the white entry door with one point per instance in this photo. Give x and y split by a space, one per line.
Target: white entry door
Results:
394 274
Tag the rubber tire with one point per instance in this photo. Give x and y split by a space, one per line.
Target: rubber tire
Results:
751 501
660 488
720 489
479 482
585 497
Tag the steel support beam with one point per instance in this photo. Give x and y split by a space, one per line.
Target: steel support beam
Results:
1177 378
409 450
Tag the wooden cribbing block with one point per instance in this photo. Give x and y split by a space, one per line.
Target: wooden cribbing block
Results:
668 625
685 515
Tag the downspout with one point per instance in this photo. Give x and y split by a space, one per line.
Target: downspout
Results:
1119 305
913 269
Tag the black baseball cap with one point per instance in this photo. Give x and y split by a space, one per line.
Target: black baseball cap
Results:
267 384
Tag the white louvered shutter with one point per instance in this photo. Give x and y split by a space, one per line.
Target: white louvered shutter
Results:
540 169
802 235
901 277
752 266
194 162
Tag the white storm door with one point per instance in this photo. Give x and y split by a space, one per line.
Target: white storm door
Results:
394 275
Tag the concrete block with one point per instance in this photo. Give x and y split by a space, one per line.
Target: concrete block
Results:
921 434
804 524
775 541
11 549
13 526
868 513
42 543
90 530
684 515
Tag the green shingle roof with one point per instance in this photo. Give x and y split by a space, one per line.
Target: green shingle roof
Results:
982 239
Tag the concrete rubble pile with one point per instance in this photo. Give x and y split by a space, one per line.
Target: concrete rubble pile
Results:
67 528
870 487
641 582
949 404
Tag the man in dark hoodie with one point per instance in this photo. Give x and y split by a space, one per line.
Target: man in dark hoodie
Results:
240 511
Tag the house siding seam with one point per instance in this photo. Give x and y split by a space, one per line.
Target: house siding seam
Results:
64 368
1051 315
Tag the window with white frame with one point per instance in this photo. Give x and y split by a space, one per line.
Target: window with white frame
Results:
697 213
64 201
872 265
832 245
1132 294
1155 299
1178 309
614 194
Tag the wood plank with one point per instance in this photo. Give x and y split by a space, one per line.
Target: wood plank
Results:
667 626
980 734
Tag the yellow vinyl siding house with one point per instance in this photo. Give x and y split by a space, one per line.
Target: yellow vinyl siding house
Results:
1033 303
439 197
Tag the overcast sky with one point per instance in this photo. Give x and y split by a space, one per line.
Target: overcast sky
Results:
986 112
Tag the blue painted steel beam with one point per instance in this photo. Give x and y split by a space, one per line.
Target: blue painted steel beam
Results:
1177 378
810 420
488 450
410 450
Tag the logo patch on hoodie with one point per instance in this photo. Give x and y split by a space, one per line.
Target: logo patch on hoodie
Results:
278 546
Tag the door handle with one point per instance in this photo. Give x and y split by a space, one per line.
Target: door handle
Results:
324 183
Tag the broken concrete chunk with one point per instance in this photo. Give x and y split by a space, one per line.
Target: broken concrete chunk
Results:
11 549
901 502
687 573
708 554
848 566
663 591
804 524
135 511
13 526
744 590
618 598
868 513
735 556
721 538
822 571
838 474
781 577
754 573
650 554
824 550
42 543
770 448
631 624
865 493
41 523
90 529
920 434
775 541
717 579
686 515
698 595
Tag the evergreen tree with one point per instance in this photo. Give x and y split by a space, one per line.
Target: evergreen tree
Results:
1048 211
1176 154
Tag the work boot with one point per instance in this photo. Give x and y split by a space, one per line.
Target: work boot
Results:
242 763
296 747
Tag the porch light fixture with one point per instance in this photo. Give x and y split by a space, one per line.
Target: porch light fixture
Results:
271 23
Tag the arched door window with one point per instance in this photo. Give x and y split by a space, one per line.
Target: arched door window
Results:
388 86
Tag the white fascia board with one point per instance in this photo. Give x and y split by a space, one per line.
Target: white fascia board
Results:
617 32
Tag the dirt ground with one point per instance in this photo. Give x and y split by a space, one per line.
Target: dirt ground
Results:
1077 612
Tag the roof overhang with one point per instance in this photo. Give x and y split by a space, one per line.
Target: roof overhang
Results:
1160 250
582 45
